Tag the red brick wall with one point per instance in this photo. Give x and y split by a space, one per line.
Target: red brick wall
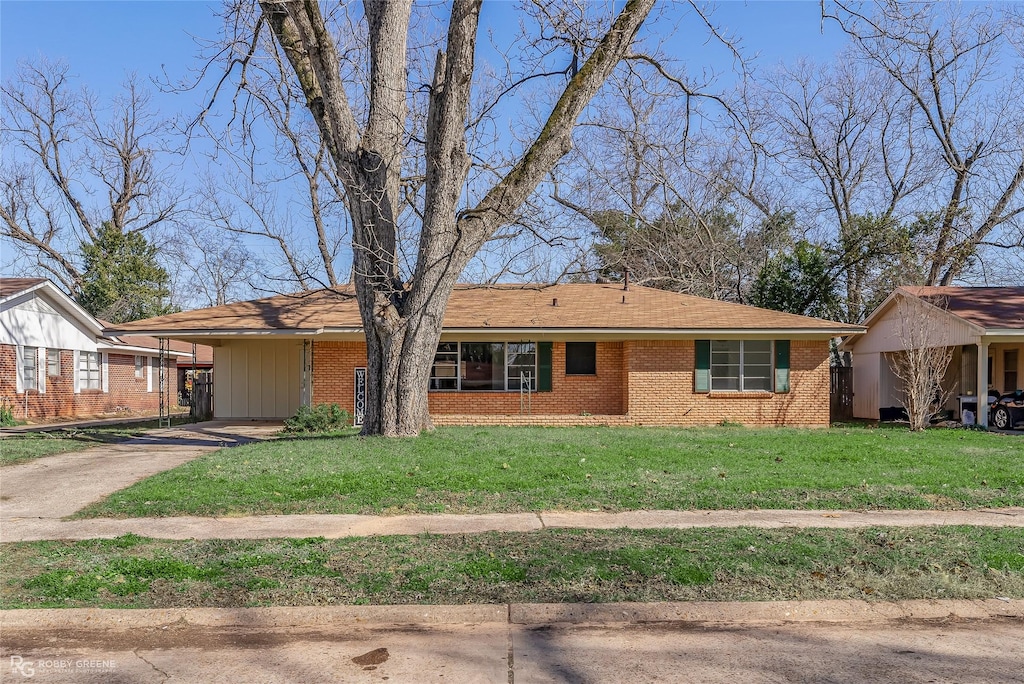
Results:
657 388
124 390
600 394
661 389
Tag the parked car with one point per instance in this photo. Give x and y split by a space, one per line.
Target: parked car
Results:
1006 411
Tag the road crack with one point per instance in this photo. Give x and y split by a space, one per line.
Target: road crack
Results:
139 656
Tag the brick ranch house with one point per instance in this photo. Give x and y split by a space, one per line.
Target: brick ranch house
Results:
549 355
55 361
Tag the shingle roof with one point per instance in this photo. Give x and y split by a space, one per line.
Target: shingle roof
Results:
12 286
579 306
987 307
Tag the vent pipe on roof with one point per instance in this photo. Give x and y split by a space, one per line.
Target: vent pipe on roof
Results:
623 299
625 280
554 301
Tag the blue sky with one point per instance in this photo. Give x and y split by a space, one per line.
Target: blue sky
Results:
104 40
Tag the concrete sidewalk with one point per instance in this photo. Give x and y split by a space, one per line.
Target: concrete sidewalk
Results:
338 526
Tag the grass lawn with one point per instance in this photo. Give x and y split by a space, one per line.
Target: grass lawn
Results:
544 566
17 448
464 470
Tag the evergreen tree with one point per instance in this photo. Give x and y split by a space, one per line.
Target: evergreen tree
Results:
122 280
797 282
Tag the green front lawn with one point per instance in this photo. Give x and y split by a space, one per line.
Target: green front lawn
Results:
472 470
544 566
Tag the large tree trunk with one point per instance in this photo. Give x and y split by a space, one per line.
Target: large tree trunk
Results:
402 320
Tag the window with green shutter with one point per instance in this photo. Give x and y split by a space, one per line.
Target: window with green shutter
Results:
781 366
702 368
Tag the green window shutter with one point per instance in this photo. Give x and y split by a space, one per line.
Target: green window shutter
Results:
543 366
781 366
702 367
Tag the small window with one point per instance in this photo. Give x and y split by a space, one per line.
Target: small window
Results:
444 374
581 358
89 370
29 368
53 363
140 366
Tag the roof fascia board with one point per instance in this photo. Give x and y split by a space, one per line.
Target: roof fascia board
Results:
144 350
660 332
188 332
631 333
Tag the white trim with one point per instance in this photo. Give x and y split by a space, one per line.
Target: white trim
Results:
76 359
150 365
542 334
131 349
41 377
19 369
104 372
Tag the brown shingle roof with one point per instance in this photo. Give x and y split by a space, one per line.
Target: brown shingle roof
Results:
580 306
988 307
12 286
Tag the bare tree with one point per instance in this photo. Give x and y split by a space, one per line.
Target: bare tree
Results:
72 164
211 267
272 182
847 140
949 62
661 199
365 130
922 362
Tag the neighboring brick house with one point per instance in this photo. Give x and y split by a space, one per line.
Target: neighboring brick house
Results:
530 354
55 361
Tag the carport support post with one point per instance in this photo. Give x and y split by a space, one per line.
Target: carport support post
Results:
983 384
165 409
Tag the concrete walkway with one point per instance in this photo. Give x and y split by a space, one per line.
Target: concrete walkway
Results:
338 526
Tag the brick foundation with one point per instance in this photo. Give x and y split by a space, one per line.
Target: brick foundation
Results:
637 383
125 392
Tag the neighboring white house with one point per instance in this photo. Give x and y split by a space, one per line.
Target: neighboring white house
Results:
55 361
983 325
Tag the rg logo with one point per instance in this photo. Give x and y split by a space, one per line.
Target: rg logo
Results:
22 666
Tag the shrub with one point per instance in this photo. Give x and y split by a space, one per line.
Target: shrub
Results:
320 418
7 413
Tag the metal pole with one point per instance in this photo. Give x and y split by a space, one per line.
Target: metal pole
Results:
192 395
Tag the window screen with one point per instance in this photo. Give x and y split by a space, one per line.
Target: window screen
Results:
580 358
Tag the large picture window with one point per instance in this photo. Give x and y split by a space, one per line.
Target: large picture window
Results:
484 366
89 370
741 365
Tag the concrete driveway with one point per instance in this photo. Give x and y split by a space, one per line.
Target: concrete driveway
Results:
57 486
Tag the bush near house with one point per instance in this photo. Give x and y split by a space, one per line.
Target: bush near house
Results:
320 418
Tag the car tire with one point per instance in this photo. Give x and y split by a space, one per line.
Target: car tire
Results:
1001 418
